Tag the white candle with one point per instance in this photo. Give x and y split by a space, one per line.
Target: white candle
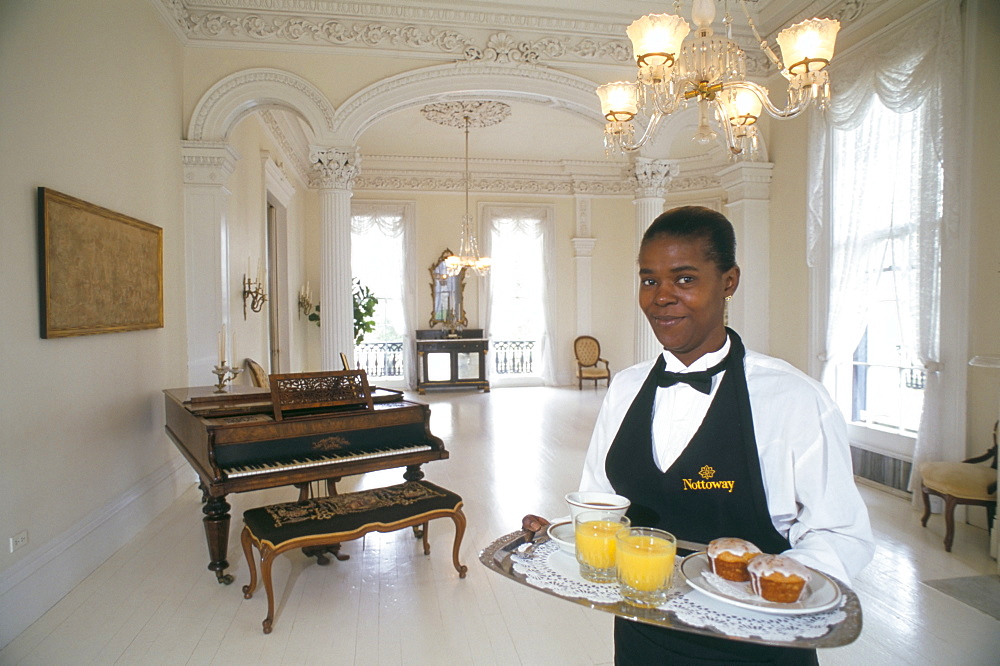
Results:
260 273
232 349
222 345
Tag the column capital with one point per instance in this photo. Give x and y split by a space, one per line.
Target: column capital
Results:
333 168
207 162
747 180
583 247
653 176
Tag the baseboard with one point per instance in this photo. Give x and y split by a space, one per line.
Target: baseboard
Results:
32 586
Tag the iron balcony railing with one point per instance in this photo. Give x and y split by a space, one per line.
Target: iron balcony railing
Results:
513 357
385 359
380 359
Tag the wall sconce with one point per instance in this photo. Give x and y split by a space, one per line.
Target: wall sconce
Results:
253 290
305 300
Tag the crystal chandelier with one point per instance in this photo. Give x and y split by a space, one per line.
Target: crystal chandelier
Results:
466 115
711 70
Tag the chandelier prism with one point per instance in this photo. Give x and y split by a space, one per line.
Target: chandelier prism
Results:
711 71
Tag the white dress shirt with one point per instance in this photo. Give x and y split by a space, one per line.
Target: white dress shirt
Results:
801 441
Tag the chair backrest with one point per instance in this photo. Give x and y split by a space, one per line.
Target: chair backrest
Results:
257 374
587 350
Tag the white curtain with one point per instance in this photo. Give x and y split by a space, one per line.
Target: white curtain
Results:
915 63
392 220
533 225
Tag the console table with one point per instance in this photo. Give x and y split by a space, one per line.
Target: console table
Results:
444 361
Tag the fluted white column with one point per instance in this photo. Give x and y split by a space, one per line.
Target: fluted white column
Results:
334 170
653 177
207 167
748 191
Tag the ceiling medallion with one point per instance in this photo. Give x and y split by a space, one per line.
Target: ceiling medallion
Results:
480 113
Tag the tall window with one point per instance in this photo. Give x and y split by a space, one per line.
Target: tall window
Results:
518 320
880 259
378 263
882 183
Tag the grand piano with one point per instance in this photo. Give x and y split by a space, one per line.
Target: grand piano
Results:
305 427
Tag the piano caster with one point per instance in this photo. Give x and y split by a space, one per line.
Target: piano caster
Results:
223 578
418 531
319 552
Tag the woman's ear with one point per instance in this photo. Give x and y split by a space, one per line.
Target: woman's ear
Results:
731 280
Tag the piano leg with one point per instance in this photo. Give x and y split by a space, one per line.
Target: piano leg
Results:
216 521
414 473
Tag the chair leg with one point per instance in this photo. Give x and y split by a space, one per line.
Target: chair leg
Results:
949 521
927 505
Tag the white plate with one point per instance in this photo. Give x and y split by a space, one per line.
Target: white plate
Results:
820 594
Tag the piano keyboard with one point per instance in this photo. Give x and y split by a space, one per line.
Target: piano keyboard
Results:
304 463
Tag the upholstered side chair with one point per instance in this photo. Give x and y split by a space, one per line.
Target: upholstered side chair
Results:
588 359
965 482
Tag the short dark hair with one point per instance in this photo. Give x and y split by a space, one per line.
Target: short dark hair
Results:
698 223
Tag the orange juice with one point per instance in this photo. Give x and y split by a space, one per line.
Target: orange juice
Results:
595 533
645 564
595 542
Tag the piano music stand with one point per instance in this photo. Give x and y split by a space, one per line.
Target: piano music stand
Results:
301 391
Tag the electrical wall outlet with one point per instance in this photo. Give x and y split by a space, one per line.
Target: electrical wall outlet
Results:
18 540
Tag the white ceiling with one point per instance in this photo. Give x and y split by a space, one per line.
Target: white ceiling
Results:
532 132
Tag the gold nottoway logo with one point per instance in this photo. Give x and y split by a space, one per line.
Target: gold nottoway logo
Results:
706 473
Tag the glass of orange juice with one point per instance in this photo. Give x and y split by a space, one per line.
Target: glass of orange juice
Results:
595 533
645 561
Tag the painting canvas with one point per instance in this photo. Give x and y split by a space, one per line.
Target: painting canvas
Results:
101 271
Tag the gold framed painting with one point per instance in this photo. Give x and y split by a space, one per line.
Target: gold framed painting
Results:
100 271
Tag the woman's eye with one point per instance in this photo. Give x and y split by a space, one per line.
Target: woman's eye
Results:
685 279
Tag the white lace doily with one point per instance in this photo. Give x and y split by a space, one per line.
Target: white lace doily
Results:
552 569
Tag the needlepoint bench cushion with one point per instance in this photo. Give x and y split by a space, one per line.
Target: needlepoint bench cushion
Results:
328 521
281 523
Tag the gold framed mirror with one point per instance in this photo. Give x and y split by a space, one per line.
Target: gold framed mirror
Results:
447 307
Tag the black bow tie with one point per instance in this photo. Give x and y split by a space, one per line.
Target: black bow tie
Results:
700 381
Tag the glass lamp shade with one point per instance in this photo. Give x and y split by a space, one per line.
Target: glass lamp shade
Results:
656 38
742 106
619 100
808 46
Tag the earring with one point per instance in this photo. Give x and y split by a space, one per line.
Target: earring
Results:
728 298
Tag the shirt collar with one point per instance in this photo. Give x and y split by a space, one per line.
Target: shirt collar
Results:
707 361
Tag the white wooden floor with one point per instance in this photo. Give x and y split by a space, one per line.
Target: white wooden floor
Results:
512 451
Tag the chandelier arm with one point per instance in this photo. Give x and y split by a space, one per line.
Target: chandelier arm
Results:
760 92
735 146
654 122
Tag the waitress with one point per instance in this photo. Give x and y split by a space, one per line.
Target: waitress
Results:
708 409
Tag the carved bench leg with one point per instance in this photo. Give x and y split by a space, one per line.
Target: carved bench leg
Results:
247 542
266 560
459 518
426 537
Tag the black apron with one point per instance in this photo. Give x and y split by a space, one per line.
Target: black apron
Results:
714 489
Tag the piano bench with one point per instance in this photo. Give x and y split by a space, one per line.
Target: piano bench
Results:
327 521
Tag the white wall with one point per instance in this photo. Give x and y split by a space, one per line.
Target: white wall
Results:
91 110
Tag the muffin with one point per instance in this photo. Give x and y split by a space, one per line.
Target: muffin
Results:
729 558
778 578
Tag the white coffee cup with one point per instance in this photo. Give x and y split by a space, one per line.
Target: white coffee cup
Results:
596 501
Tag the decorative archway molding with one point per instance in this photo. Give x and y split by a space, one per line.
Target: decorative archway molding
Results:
463 81
232 98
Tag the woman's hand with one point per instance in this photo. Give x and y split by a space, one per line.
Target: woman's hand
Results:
534 524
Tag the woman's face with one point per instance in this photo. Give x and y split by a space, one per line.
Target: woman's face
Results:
683 292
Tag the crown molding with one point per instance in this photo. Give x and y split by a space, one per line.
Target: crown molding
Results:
451 34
